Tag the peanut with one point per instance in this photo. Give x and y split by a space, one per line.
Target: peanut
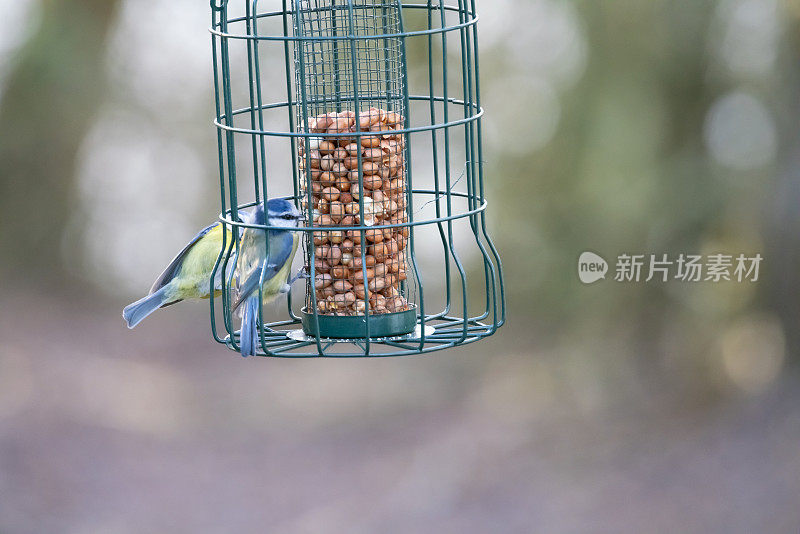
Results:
340 272
342 286
336 210
322 281
326 163
373 181
330 194
371 141
326 147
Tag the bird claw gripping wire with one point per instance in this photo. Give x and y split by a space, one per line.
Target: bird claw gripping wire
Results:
302 274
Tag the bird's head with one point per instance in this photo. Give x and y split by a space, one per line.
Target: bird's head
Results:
281 212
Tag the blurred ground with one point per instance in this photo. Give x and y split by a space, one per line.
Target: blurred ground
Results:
107 431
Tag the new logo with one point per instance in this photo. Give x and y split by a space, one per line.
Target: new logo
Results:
591 268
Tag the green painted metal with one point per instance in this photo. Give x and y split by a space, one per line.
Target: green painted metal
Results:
332 40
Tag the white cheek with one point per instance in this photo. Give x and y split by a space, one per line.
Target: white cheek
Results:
282 223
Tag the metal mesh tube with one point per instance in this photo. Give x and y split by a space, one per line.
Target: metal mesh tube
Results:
352 165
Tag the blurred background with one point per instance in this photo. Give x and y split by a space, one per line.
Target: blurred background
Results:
651 127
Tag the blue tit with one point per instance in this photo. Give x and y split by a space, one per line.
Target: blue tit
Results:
254 269
187 277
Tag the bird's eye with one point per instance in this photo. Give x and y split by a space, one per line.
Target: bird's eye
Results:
287 216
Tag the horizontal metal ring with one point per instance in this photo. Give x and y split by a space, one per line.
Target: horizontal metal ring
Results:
285 104
417 129
225 217
433 31
288 12
454 9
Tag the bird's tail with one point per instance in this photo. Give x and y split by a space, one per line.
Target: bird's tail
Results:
134 313
248 335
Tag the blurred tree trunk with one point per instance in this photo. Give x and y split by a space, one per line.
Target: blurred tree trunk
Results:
782 262
50 99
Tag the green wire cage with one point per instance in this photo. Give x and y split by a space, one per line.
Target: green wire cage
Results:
373 115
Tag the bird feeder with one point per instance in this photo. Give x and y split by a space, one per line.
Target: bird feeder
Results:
395 244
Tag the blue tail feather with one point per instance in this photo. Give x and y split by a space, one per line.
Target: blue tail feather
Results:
136 312
248 335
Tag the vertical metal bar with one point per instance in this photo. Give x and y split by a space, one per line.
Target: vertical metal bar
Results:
336 74
362 191
292 129
261 129
229 135
212 301
448 185
250 23
437 189
469 134
301 70
409 179
387 70
259 103
228 117
259 171
496 255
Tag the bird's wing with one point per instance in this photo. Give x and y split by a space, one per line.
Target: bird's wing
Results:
281 250
174 266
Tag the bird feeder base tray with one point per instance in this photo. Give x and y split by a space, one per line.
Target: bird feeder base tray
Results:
355 327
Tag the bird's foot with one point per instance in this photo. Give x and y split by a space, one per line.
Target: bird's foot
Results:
301 274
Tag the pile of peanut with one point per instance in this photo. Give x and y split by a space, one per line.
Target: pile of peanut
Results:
335 194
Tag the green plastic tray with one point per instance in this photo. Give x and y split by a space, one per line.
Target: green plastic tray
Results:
383 325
